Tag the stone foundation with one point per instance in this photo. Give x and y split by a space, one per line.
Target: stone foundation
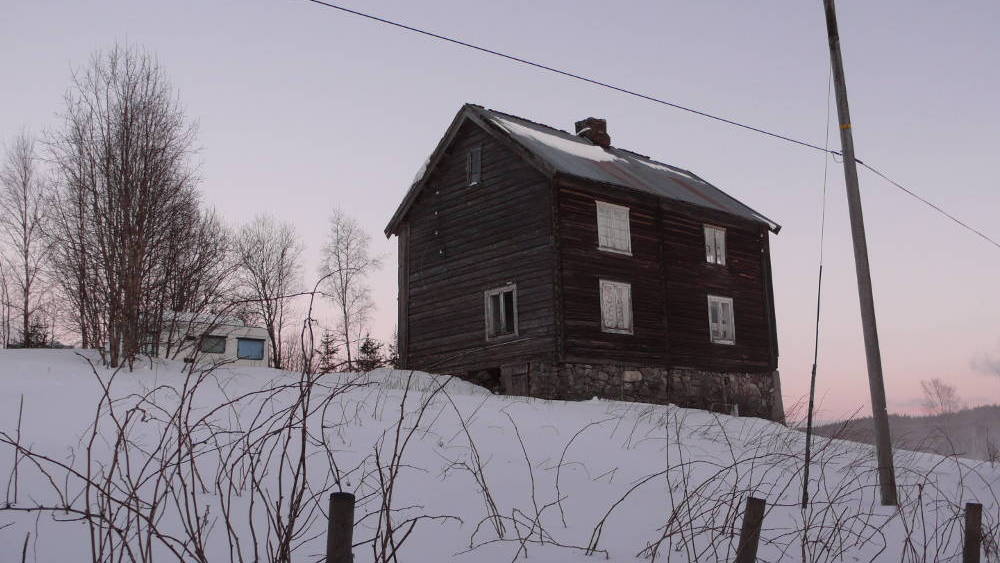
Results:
743 394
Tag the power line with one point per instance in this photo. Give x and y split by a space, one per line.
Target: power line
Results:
650 98
574 75
882 175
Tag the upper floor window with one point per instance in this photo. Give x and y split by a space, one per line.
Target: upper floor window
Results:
474 166
613 228
616 307
721 323
501 311
715 245
211 344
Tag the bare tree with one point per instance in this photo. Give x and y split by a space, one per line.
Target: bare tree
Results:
124 159
74 266
6 307
22 223
268 256
940 397
198 279
346 265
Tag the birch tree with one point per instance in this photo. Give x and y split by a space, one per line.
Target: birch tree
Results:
268 270
22 223
347 262
6 307
124 159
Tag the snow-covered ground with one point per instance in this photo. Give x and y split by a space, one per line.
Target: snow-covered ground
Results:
203 465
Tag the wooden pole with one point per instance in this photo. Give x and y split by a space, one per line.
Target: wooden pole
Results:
753 518
883 443
973 532
340 529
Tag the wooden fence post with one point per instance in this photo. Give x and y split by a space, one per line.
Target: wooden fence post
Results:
340 529
750 534
973 532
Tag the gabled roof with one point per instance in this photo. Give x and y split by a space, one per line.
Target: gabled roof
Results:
554 151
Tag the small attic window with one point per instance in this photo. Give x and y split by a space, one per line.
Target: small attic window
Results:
474 166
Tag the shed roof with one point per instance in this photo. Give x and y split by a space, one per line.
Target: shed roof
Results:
571 155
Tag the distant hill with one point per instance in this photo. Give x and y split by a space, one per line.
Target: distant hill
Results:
972 433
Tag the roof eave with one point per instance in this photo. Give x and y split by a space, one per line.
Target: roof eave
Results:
392 227
771 225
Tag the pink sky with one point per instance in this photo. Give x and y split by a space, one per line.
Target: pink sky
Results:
302 109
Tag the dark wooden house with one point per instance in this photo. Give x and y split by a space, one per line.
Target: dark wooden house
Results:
543 263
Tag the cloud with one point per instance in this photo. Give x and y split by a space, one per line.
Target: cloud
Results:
988 364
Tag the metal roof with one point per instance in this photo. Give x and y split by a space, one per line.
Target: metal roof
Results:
576 156
563 153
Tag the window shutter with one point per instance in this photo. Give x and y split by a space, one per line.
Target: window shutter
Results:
607 305
604 226
621 231
725 320
709 245
720 246
613 227
619 296
616 306
713 319
495 314
626 306
508 311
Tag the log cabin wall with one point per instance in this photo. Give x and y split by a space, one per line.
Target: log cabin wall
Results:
670 279
463 240
583 265
690 279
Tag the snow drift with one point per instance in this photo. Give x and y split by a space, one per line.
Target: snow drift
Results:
235 463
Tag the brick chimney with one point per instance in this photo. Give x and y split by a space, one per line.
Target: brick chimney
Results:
594 130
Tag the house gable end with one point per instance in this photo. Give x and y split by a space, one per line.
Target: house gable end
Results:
469 113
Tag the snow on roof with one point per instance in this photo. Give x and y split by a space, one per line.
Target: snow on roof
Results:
573 155
574 146
666 168
423 170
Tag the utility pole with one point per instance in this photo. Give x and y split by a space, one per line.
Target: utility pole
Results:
883 444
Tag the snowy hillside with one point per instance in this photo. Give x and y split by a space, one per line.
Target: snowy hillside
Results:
218 466
972 433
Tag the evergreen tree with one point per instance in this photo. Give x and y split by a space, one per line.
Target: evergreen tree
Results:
328 351
370 355
392 357
37 335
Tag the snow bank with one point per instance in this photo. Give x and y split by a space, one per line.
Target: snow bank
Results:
479 477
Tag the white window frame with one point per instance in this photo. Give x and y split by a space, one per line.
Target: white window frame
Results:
613 230
509 288
715 245
626 326
719 336
474 166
